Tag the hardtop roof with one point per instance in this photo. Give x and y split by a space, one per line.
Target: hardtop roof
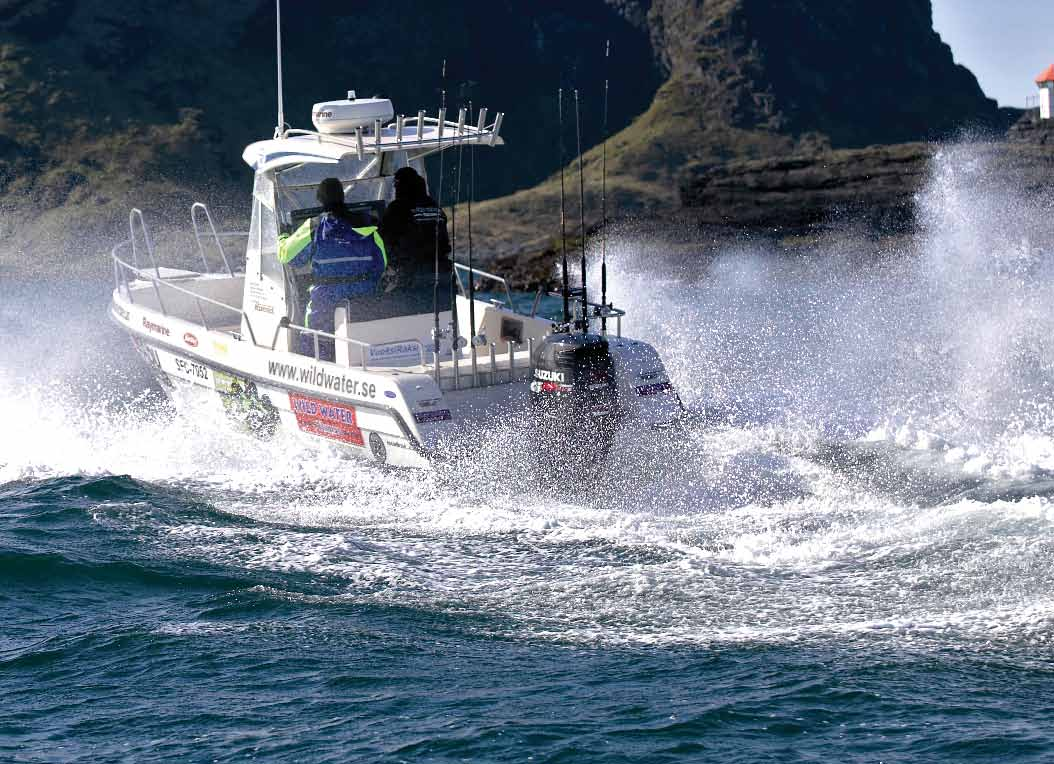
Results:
419 135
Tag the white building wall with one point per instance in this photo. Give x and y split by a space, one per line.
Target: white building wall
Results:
1045 97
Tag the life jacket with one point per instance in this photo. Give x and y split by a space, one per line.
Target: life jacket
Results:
338 251
343 252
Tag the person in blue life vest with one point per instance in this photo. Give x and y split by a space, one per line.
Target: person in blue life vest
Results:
347 262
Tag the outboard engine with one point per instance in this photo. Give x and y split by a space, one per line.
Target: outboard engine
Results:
574 397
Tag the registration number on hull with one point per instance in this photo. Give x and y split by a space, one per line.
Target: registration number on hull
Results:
191 368
179 367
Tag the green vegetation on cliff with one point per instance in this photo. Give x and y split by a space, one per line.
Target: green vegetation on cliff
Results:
105 104
109 103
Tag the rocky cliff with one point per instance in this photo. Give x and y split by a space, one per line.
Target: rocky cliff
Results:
761 80
76 71
111 102
872 188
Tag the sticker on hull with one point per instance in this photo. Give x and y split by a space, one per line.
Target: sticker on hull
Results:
326 419
244 404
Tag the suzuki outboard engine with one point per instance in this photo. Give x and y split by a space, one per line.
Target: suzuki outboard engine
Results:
574 396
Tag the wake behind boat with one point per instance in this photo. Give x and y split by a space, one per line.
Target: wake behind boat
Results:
386 383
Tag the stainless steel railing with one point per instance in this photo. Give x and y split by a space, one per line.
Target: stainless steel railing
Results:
199 207
595 310
139 232
460 268
122 268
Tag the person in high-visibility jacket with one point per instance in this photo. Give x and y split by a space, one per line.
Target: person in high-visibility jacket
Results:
347 262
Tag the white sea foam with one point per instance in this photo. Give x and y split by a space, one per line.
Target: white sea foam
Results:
930 374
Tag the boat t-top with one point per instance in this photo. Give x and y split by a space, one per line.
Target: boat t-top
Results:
228 339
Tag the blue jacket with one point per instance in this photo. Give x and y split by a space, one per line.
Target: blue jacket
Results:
338 251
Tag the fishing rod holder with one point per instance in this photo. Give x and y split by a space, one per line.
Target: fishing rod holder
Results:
421 135
594 310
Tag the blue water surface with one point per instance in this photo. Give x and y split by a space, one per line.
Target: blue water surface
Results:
172 590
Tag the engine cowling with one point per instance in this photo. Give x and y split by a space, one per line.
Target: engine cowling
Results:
574 395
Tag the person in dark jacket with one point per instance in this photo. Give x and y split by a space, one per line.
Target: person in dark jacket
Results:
347 262
410 227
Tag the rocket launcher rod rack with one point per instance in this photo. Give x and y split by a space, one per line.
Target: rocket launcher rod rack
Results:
395 137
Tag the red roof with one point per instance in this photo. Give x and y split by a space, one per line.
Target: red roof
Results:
1047 75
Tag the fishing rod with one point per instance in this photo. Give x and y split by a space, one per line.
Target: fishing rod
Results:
563 211
471 271
582 210
604 199
454 329
439 202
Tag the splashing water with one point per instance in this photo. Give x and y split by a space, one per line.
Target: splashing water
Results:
874 470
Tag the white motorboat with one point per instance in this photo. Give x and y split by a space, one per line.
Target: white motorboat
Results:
225 338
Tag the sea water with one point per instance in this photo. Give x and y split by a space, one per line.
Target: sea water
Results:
845 556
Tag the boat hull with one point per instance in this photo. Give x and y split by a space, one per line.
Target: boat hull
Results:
208 373
397 416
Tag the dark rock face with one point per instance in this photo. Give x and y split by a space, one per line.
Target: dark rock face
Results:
863 72
849 74
756 78
1031 130
856 71
873 186
76 71
107 102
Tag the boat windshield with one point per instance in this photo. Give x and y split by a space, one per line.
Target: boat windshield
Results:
368 187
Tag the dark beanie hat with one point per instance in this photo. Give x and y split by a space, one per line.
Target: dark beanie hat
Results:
331 195
406 175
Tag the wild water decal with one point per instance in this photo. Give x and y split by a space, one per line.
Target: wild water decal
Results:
847 553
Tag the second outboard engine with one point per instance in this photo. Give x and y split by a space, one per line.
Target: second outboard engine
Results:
574 397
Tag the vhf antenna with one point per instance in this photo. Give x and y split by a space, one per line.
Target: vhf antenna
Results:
280 128
582 209
604 200
435 286
563 209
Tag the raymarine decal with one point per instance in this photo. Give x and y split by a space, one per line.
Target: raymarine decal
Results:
150 326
